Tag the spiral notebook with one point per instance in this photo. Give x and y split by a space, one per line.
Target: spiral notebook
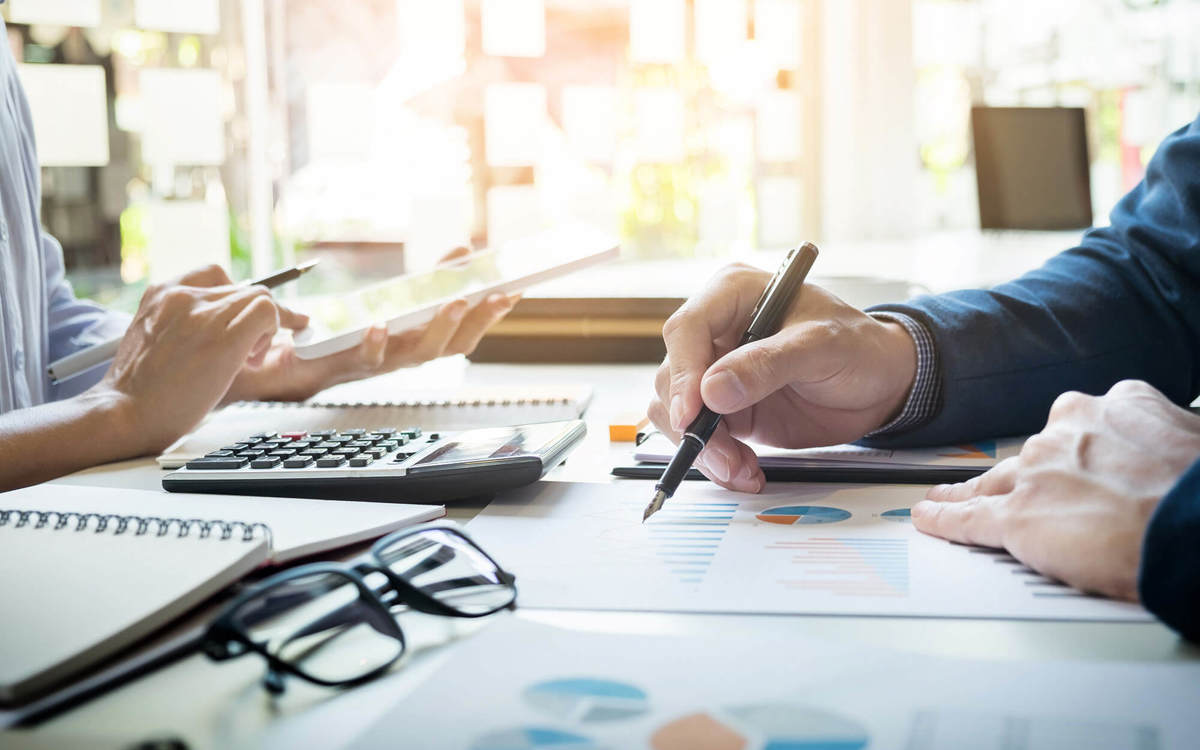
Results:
457 409
86 571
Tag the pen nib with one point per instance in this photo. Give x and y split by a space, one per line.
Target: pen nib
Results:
655 505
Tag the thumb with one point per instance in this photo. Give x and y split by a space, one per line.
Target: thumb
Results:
748 374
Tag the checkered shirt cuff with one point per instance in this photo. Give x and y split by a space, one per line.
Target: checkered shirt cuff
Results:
924 397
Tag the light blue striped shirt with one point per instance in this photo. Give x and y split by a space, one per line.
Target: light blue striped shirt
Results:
40 318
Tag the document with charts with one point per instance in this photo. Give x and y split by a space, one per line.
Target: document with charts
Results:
796 548
530 686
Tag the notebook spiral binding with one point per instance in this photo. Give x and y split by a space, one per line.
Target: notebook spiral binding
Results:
414 403
135 525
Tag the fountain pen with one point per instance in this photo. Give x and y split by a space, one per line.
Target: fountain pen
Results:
765 320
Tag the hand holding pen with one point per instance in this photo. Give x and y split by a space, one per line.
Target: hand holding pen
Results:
831 374
765 319
93 356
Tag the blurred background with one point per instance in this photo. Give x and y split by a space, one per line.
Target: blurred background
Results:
377 134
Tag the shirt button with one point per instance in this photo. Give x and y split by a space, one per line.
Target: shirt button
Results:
19 360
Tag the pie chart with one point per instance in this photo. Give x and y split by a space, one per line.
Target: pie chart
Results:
770 726
587 699
899 515
533 738
787 515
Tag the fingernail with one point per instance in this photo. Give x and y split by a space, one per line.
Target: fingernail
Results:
718 464
938 491
725 389
378 333
677 412
921 508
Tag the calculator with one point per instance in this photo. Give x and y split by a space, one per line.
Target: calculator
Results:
398 464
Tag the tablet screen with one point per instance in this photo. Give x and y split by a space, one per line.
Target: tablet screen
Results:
406 302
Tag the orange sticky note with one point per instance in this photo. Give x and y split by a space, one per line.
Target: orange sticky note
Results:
625 429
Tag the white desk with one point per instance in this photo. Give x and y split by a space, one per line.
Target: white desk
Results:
223 706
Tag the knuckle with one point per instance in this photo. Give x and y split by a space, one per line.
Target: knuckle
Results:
1068 403
1131 388
1037 448
174 299
682 318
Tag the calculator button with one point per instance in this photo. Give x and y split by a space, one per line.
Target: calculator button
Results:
236 447
375 452
218 454
433 437
345 452
314 452
233 462
328 444
299 462
299 445
322 433
356 432
385 430
330 462
262 436
282 453
252 453
390 445
361 461
268 462
412 433
342 438
403 456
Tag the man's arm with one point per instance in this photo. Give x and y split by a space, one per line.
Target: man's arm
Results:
1122 305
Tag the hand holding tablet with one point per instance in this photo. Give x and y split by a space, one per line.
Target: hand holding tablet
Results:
405 302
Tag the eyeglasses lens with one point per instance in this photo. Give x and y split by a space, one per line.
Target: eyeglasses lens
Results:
320 625
449 568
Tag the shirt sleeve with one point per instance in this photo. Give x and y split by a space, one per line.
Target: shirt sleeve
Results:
923 399
74 324
1169 579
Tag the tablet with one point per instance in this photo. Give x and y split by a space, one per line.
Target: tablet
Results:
339 322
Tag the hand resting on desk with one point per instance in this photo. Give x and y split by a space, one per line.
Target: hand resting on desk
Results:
1074 505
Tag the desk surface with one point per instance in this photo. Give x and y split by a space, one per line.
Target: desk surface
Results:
212 705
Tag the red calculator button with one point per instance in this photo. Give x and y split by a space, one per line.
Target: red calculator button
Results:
293 435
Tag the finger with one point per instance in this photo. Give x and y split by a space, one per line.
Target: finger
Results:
437 334
803 352
730 463
691 331
999 480
210 275
477 321
289 318
256 317
978 521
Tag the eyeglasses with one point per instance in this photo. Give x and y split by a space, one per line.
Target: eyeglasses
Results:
335 623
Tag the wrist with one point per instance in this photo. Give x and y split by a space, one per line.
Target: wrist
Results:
109 412
900 354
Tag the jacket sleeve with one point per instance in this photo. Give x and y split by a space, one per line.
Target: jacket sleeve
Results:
1124 304
1169 579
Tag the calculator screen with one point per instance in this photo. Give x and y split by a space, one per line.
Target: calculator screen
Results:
501 442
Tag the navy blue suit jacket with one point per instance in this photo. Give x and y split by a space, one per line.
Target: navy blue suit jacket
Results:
1123 304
